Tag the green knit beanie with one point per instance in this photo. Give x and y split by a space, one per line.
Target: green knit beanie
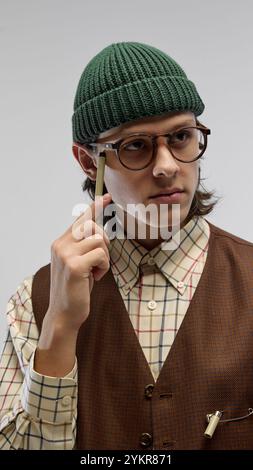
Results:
128 81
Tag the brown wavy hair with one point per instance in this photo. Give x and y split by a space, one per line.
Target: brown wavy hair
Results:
202 204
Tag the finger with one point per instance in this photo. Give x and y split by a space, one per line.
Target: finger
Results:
94 211
89 229
95 261
86 245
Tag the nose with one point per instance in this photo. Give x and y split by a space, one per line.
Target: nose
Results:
164 162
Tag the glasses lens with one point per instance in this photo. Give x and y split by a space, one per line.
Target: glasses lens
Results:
135 152
187 144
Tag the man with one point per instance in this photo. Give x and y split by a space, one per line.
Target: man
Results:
154 339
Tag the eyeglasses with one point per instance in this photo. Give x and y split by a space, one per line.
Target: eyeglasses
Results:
137 150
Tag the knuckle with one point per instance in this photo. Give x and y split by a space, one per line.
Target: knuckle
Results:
88 229
71 266
78 232
54 244
101 252
95 236
104 256
58 251
64 258
55 247
107 241
100 242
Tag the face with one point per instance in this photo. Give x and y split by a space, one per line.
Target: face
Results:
163 173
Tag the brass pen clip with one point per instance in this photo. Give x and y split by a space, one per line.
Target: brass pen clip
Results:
215 418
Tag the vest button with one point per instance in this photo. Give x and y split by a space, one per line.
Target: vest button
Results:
146 439
148 391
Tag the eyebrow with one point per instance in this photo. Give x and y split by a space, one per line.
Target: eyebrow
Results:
126 134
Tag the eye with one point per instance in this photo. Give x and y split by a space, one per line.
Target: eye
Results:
135 145
181 136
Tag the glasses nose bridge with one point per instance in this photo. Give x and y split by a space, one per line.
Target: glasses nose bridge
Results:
155 144
155 136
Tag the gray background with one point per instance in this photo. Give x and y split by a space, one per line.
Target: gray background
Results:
44 47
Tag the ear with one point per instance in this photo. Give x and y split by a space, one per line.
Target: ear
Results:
85 160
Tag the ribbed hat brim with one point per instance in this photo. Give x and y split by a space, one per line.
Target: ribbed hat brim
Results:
149 97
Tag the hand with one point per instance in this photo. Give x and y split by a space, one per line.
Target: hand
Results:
77 259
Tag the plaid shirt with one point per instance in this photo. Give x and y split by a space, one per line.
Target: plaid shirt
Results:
39 412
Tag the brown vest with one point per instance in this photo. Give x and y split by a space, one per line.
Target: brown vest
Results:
209 366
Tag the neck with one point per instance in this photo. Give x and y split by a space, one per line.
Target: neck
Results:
136 230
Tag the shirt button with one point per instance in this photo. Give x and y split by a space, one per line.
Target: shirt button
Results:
151 261
180 284
152 305
66 401
145 439
148 391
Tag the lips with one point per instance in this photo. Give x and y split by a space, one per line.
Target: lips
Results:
167 193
